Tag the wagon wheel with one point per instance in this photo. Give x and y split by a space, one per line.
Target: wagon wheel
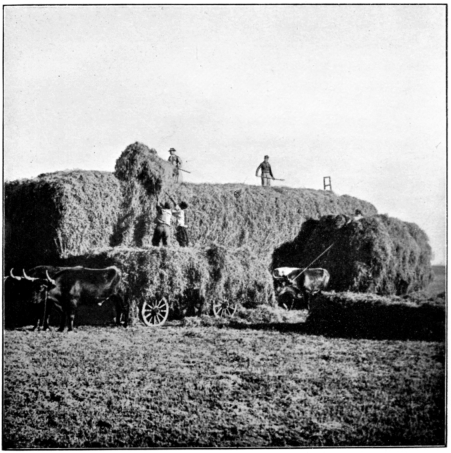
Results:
155 312
222 308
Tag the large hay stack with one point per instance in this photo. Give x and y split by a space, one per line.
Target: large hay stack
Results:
59 214
98 218
72 213
376 254
261 218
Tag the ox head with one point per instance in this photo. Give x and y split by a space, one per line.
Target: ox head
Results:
39 286
284 280
285 285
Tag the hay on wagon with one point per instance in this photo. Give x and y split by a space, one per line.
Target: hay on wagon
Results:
190 278
377 254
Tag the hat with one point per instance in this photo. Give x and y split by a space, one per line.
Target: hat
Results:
172 149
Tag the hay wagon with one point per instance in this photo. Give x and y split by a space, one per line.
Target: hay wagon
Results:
163 282
155 310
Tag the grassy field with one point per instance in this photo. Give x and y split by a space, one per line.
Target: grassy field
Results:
211 386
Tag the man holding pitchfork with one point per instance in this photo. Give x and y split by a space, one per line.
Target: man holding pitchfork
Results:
266 172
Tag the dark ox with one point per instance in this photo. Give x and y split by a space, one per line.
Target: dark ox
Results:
71 287
20 291
294 284
40 306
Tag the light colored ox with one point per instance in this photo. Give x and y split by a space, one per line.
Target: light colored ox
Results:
299 283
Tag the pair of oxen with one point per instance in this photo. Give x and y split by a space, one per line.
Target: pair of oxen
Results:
64 288
295 287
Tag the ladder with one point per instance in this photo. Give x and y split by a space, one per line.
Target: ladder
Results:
327 182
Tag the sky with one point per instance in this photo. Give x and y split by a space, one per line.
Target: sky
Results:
354 92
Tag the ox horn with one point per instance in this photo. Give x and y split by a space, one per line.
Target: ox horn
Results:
13 276
27 277
53 282
276 276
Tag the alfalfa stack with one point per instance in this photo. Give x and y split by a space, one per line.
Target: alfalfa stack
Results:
59 214
377 254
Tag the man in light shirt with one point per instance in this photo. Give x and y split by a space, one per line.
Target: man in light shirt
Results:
181 231
163 224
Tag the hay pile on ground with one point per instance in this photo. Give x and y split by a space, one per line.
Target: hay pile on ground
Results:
377 254
190 278
58 214
371 316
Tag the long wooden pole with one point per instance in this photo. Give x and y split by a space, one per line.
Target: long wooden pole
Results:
316 259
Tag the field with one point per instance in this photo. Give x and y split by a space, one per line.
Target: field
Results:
202 383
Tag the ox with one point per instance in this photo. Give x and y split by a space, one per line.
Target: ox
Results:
298 283
73 286
42 309
18 293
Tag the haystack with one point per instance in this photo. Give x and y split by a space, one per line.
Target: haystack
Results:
59 214
233 215
261 218
71 213
377 254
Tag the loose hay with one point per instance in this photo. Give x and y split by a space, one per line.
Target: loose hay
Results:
377 254
141 164
144 176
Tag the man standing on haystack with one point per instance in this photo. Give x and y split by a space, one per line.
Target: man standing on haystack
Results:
266 172
177 163
163 224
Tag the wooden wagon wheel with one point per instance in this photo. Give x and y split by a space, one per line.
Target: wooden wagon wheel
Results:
223 308
155 312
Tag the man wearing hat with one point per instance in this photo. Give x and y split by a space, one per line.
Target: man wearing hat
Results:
266 172
177 163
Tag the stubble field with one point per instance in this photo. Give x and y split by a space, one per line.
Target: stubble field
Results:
212 386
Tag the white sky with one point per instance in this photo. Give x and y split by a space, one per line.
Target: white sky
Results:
357 93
